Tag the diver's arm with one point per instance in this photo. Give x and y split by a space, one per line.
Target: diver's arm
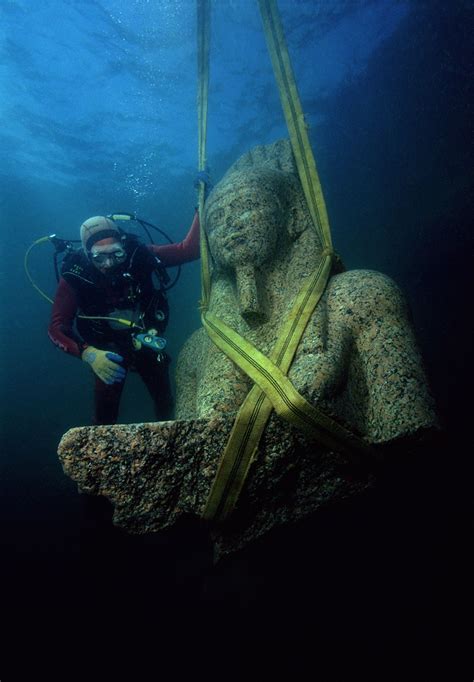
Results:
60 329
182 252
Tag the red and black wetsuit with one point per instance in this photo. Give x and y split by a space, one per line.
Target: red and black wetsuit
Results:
130 293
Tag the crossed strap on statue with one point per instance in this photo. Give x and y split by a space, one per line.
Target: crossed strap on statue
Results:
272 390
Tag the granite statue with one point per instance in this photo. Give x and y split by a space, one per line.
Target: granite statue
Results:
358 361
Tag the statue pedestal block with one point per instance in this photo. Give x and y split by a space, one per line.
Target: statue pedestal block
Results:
155 473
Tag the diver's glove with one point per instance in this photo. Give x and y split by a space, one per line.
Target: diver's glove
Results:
104 364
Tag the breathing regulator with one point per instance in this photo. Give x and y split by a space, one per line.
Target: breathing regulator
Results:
141 338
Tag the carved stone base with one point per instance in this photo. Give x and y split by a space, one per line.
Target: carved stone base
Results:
155 473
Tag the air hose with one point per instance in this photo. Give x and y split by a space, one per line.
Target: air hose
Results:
63 245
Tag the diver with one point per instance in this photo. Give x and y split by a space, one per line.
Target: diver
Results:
108 290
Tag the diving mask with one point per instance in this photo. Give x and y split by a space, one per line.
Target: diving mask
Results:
102 257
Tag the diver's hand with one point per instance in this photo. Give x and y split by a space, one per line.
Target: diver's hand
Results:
104 364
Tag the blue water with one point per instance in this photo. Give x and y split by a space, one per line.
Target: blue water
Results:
98 112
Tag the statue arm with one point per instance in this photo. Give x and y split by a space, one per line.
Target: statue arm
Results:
399 403
186 380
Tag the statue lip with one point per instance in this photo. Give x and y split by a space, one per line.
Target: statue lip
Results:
235 240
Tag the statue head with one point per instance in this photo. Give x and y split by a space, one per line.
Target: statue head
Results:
245 216
252 217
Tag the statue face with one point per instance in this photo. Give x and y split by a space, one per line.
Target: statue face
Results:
242 223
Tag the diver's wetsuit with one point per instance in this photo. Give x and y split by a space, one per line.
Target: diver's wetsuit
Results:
129 292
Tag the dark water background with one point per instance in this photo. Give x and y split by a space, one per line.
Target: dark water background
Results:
381 579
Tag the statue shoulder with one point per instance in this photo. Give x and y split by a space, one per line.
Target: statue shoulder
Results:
360 296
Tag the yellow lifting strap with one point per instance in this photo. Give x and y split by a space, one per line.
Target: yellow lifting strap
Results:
295 120
272 389
203 43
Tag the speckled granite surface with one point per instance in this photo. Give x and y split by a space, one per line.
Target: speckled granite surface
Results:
357 361
155 473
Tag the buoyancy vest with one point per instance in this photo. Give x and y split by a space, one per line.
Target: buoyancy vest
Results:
135 291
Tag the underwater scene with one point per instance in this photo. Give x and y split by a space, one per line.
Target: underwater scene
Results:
161 215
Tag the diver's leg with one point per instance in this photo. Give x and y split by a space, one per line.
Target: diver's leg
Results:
106 401
155 376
